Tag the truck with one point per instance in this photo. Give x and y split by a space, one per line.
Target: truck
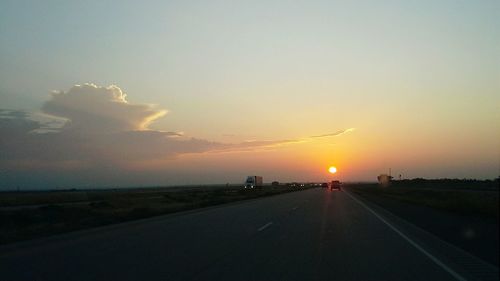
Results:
253 182
335 185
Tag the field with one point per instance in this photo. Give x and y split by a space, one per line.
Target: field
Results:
27 215
476 199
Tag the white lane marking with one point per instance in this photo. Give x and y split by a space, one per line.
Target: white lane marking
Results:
265 226
413 243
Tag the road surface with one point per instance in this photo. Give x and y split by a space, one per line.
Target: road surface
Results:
315 234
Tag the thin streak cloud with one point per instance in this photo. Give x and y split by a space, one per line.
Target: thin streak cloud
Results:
338 133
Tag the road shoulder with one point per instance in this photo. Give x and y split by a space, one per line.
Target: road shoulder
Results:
459 261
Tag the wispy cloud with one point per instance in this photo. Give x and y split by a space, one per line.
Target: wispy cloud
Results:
260 144
338 133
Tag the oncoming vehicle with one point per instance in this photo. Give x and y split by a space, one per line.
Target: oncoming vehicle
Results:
324 185
335 185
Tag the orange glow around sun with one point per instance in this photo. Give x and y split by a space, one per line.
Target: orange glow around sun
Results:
332 169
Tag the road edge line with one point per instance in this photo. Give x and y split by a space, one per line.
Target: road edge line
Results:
409 240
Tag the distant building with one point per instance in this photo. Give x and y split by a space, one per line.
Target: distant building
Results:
384 179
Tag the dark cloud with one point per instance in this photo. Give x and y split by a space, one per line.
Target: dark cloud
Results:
13 123
88 126
20 143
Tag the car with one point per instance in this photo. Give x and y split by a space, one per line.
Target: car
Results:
335 185
275 183
324 185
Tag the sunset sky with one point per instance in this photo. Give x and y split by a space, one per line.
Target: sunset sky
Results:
141 93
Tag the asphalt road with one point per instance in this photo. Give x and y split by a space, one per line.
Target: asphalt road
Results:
310 235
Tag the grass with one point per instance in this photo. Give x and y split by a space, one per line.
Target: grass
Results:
463 201
59 214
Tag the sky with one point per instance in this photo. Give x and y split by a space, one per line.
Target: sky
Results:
151 93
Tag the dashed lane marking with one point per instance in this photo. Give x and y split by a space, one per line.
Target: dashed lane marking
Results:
264 226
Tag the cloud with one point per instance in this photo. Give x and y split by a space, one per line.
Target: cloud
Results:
16 123
338 133
275 143
92 128
21 142
92 108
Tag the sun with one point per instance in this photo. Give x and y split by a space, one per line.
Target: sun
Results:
332 169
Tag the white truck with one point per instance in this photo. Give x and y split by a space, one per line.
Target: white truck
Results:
253 182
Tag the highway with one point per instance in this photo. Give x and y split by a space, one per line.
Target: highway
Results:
315 234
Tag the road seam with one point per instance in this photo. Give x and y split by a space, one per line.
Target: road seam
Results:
409 240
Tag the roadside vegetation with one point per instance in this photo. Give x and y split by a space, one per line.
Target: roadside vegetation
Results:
465 197
28 215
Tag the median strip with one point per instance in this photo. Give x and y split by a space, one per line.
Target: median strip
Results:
56 212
